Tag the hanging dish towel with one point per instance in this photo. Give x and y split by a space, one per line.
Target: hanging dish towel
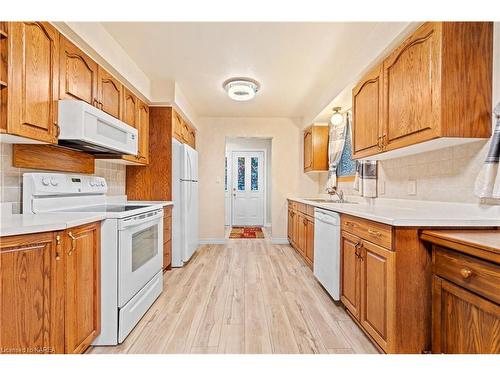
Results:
488 181
365 180
336 141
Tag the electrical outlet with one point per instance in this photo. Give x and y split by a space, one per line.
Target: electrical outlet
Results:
412 187
382 188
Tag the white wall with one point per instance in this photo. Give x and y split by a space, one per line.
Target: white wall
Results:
287 178
234 144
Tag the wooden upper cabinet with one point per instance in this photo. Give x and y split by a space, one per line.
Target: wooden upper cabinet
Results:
377 293
130 105
110 93
412 88
33 80
176 126
143 122
78 74
31 316
316 148
83 289
436 84
182 131
367 111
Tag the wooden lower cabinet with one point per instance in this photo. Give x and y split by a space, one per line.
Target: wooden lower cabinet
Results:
368 288
31 294
301 231
377 293
83 289
350 273
463 322
465 291
167 238
50 291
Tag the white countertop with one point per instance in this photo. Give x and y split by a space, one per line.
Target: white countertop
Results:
161 203
15 224
412 213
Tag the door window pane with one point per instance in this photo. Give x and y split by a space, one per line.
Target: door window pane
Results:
254 180
241 173
144 246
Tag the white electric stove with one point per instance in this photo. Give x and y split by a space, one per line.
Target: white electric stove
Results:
131 245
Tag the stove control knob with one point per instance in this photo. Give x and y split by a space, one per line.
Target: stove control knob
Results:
45 181
102 183
92 183
54 182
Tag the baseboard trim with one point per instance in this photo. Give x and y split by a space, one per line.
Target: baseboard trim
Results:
212 241
280 241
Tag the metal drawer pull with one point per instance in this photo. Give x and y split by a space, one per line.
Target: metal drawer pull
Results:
466 273
349 224
73 243
374 233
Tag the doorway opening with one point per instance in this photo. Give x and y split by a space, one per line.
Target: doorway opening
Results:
247 183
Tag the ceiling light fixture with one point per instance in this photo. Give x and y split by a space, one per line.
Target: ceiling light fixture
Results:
337 117
241 89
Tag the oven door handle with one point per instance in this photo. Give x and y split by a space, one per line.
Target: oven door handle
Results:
140 219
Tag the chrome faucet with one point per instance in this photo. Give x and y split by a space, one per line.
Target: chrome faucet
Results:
339 193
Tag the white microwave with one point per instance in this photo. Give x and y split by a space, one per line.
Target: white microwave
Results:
87 128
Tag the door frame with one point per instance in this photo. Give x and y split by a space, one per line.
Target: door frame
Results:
264 178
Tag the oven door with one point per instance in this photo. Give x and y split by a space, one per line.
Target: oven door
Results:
140 252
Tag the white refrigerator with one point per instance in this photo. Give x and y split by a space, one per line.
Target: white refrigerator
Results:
185 198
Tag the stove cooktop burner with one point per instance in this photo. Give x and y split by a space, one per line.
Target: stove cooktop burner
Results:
108 208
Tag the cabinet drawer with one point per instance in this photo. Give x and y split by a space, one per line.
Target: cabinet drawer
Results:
301 207
476 275
377 233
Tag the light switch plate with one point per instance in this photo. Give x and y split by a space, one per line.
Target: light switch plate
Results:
412 187
217 180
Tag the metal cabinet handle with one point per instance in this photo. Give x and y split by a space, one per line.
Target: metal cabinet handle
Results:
350 224
73 243
374 233
466 273
58 242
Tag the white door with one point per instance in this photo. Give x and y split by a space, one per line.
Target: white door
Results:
248 188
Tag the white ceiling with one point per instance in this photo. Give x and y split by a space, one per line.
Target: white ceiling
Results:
301 66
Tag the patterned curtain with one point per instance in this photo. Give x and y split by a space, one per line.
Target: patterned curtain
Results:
336 141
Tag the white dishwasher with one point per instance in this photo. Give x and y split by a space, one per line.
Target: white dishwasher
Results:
327 250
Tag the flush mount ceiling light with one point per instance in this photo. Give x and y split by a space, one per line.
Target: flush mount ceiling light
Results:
337 117
241 89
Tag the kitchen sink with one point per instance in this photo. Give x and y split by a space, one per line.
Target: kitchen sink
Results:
322 200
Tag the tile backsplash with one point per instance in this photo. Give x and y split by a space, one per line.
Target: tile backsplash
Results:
11 177
446 175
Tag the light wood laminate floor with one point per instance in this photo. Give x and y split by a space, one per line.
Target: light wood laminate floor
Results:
247 296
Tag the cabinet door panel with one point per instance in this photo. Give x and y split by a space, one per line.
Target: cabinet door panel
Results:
33 87
29 300
110 93
82 287
367 113
350 271
412 83
143 123
310 241
377 289
463 323
130 108
78 74
308 160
